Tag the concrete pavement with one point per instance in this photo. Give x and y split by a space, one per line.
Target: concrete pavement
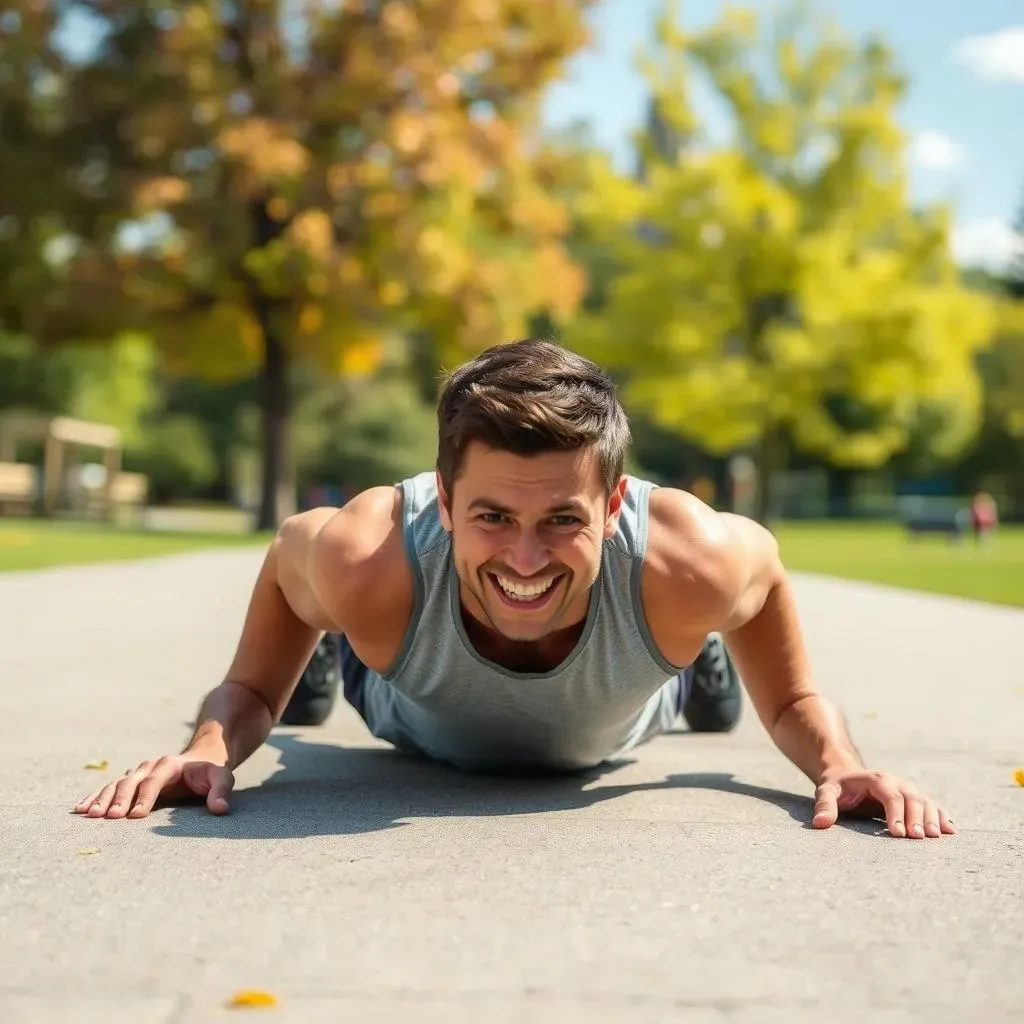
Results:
358 884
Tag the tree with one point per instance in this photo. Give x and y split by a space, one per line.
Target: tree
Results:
1015 270
1005 369
33 193
780 289
273 181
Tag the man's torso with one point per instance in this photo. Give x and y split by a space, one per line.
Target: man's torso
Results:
431 689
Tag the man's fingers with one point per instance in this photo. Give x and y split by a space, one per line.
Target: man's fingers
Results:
124 794
213 781
913 814
84 804
826 809
152 786
895 814
931 819
101 801
137 792
112 795
222 781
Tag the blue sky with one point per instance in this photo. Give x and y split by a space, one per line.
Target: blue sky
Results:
964 112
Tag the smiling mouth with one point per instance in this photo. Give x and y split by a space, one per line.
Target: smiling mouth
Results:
524 597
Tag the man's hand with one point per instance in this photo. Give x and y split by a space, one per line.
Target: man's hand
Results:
174 778
874 794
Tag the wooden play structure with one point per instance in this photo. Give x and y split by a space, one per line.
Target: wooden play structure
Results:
62 437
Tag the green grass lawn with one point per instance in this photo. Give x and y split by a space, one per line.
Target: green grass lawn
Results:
883 553
34 544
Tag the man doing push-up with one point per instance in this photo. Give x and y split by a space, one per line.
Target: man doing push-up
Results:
526 605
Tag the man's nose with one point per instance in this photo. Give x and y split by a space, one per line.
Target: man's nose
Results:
527 555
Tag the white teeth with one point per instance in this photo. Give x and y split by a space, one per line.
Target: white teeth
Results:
523 591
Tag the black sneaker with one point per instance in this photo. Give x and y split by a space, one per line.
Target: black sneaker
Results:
317 689
715 695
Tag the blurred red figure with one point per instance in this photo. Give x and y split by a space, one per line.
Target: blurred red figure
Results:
984 514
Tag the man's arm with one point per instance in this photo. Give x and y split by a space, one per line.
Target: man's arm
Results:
287 614
766 641
736 583
315 562
716 571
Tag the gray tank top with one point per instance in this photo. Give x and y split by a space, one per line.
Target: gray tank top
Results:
440 697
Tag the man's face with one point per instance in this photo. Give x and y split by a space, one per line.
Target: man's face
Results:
527 534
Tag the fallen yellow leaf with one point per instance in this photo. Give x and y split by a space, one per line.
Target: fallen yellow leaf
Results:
249 998
1018 776
100 766
88 851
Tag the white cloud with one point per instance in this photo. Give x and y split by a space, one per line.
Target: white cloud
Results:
998 56
986 242
935 151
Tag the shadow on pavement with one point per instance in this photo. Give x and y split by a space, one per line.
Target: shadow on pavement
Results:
322 789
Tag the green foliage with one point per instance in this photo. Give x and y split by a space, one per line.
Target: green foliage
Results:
294 180
21 374
1015 272
387 433
176 455
780 286
113 384
1004 369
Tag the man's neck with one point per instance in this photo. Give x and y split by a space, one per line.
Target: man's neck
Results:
542 655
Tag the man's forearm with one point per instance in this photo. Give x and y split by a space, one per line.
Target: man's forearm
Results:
813 734
275 646
772 659
232 723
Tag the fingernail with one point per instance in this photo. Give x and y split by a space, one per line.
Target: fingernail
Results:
917 830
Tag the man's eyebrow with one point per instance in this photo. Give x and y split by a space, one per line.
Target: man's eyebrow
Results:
573 505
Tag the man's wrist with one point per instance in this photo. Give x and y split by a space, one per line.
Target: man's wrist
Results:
813 733
836 761
208 746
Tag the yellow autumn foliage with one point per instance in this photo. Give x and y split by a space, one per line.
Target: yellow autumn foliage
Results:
782 278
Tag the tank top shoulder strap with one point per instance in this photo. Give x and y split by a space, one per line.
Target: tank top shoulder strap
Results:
631 535
421 518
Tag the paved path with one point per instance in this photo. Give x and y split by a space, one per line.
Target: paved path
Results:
358 885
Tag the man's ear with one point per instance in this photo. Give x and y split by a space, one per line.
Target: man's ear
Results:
442 505
615 499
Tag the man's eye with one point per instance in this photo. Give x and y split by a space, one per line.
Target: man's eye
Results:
493 518
564 520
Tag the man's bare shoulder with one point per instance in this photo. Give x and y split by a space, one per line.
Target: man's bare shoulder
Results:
362 564
694 565
686 535
362 531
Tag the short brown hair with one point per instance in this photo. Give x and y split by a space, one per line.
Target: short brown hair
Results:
529 397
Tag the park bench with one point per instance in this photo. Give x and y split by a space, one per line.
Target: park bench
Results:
128 492
17 485
130 489
19 488
955 524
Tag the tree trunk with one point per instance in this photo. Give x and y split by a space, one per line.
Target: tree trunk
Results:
770 459
840 492
277 498
277 492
